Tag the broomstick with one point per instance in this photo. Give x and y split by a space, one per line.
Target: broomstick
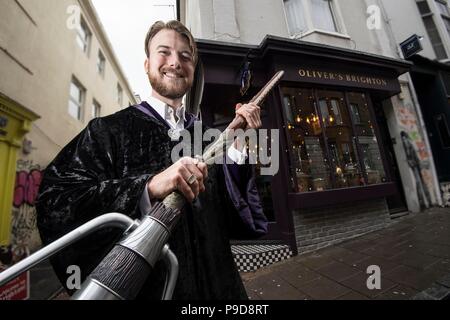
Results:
122 273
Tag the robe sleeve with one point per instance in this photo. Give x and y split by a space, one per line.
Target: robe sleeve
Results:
81 184
247 218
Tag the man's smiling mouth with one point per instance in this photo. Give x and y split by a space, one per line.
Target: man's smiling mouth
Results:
172 75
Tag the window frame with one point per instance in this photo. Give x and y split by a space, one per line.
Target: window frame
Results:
429 17
310 27
80 104
83 27
119 94
101 63
96 106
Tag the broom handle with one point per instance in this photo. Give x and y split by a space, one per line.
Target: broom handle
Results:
239 121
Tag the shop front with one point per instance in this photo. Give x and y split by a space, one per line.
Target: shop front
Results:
432 83
336 176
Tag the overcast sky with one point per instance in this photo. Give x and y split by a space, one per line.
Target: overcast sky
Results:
127 23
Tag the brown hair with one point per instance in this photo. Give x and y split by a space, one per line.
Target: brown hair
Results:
171 25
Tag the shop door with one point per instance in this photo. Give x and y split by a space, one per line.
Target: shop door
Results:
396 203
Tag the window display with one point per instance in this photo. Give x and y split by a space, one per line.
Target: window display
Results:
333 144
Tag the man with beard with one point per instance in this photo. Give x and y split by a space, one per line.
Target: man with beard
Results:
122 163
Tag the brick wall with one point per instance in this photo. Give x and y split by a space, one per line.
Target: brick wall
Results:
321 227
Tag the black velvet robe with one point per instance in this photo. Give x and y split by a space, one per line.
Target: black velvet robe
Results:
105 169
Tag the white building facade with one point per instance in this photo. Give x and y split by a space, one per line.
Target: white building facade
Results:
58 72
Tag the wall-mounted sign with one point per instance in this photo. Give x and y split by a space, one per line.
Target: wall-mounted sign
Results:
315 72
411 46
348 78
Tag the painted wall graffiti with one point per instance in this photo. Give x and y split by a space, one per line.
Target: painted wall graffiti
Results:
27 187
24 234
24 229
417 154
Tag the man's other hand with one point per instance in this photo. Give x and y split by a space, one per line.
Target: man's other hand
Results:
176 177
251 113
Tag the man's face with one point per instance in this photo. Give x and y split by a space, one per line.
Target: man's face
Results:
170 66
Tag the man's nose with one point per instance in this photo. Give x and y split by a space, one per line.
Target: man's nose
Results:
174 61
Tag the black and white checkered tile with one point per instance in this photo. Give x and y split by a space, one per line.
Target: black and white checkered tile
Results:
252 257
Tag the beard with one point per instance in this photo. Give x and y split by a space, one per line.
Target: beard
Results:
170 88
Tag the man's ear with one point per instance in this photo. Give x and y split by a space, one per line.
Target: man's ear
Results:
146 64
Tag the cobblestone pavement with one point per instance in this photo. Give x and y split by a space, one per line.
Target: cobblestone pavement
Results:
413 254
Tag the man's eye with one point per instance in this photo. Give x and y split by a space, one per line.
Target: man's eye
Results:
186 56
164 53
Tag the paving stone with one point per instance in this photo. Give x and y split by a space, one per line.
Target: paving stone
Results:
338 271
382 252
443 265
350 257
352 295
414 278
272 287
415 260
315 261
385 265
445 281
299 276
399 292
437 250
324 289
358 245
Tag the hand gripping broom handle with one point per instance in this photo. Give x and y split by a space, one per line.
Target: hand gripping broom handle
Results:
239 121
122 273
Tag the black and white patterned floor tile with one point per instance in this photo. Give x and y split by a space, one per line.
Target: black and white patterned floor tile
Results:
252 257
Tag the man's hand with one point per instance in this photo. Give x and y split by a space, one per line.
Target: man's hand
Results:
251 113
176 177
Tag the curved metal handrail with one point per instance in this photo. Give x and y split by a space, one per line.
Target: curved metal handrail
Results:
108 220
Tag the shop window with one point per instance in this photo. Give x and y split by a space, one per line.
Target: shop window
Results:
366 137
340 138
334 145
310 164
